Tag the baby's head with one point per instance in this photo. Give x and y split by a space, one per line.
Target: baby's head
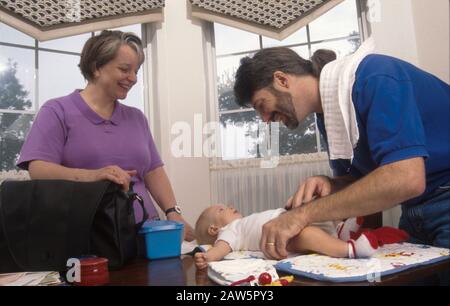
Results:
212 220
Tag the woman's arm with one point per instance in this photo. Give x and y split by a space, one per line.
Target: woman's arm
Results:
39 169
161 190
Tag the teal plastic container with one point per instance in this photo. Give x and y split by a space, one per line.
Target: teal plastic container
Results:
163 238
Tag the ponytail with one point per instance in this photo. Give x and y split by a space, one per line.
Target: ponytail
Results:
320 58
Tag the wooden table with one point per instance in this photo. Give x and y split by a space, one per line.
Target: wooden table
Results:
182 272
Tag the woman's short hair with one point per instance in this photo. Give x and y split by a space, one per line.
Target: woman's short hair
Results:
101 49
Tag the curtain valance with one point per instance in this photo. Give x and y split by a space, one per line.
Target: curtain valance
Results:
272 18
50 19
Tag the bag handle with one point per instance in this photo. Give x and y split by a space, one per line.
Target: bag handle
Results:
134 196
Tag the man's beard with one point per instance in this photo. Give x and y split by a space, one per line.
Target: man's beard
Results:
285 107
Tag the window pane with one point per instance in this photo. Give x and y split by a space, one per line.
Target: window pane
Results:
295 38
16 78
56 82
11 35
230 40
226 70
13 130
134 28
70 44
338 22
301 140
323 147
303 51
239 135
341 47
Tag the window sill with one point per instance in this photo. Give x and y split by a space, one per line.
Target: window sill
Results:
20 175
217 164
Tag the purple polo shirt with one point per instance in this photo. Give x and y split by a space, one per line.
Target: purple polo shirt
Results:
66 131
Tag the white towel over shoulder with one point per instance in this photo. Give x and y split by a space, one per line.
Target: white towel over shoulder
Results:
336 84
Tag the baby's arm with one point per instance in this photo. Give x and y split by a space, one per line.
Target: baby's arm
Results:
217 252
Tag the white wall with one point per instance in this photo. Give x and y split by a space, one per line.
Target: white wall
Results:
416 31
392 27
431 24
179 91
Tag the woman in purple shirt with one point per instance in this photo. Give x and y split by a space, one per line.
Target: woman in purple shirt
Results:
89 136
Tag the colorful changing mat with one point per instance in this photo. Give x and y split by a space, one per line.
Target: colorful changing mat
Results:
390 259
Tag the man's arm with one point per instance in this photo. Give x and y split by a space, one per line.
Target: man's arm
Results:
382 189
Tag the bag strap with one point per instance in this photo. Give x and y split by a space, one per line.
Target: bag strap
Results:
134 196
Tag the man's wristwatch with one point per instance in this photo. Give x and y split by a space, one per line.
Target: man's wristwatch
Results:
176 209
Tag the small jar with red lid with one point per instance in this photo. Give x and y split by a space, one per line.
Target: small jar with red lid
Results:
93 272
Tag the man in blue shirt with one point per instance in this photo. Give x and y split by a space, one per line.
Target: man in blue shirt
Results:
402 155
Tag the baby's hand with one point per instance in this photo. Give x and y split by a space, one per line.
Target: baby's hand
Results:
201 261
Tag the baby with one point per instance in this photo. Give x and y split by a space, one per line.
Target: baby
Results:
227 230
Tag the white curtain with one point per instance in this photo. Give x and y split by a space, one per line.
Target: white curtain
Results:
250 188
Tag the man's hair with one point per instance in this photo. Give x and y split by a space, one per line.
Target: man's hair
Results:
102 48
201 229
257 72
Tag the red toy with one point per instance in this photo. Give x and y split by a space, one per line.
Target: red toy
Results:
264 279
243 281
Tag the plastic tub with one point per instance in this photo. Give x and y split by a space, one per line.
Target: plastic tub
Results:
162 238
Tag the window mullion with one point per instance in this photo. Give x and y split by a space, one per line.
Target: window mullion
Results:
36 76
308 38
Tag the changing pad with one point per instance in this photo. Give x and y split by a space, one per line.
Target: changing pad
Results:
226 272
390 259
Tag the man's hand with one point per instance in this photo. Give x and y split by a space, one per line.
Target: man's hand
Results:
277 232
188 231
201 261
313 187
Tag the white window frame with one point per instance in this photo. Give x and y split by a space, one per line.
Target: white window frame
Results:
23 174
218 163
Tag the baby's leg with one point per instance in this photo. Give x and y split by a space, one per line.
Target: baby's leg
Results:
350 229
314 239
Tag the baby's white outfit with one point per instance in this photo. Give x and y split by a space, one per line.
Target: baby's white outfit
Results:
244 234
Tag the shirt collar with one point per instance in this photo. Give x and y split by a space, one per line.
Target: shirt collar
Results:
92 115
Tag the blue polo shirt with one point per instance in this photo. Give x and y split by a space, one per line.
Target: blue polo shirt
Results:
402 112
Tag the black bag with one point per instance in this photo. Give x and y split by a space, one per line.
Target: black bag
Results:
43 223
